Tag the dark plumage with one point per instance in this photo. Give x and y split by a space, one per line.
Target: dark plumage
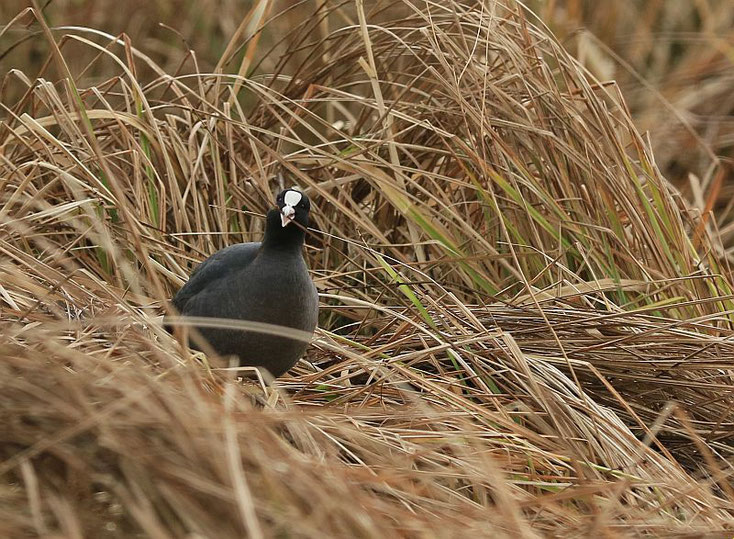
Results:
264 281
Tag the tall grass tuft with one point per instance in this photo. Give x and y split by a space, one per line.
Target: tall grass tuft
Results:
525 331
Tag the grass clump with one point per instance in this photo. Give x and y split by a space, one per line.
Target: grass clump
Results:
524 329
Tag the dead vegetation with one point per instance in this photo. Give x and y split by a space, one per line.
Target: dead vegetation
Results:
525 331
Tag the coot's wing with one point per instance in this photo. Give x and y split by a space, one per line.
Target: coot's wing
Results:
218 266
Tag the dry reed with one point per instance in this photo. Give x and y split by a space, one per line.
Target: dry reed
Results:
525 332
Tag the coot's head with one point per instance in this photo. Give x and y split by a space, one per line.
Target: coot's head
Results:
293 206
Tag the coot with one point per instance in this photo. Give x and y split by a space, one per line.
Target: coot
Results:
265 282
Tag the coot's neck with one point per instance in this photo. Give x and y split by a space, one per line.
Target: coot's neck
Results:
283 238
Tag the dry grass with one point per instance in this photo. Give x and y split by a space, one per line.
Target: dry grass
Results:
525 331
673 62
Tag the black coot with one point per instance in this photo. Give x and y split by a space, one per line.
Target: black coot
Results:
264 281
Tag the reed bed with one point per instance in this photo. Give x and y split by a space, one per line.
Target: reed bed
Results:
525 329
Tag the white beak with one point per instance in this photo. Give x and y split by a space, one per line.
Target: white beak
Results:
287 214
